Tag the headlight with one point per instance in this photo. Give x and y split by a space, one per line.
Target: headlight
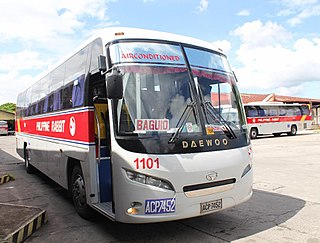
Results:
149 180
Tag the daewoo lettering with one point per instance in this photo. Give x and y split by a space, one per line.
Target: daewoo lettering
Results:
202 143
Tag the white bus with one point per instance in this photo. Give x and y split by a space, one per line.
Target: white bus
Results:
127 125
277 118
3 128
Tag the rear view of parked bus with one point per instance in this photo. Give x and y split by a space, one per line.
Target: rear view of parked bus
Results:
3 128
277 118
132 125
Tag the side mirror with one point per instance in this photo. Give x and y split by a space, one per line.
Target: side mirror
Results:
102 63
114 84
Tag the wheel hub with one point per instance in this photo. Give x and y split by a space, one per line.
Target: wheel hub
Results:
78 191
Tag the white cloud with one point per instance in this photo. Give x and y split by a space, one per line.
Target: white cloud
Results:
298 3
41 20
268 63
25 60
12 72
299 10
203 6
244 12
290 91
13 83
304 14
52 28
256 34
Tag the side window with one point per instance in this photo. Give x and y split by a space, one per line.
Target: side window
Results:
282 111
73 91
57 100
272 111
50 102
21 105
305 110
35 98
56 82
297 111
289 111
96 50
78 91
44 88
27 103
67 96
262 111
251 111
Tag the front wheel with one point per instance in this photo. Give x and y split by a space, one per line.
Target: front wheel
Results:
293 130
78 192
253 133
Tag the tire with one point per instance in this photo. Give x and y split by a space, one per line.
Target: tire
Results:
29 168
253 133
78 193
293 130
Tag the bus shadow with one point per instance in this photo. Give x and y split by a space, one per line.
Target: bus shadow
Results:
263 211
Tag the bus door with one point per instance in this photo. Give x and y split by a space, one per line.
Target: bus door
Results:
102 137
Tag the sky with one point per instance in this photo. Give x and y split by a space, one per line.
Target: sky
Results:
273 46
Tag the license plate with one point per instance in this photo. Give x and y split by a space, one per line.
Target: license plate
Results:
160 206
210 206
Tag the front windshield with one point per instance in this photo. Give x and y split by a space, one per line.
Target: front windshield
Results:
156 92
216 86
154 99
172 93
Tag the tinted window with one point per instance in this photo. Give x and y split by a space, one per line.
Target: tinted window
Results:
96 50
73 90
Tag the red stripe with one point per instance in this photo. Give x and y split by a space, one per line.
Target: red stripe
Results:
76 126
253 120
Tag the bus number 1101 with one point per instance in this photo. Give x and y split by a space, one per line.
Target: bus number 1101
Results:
148 163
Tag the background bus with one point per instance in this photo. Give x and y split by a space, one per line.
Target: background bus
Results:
277 118
3 128
127 124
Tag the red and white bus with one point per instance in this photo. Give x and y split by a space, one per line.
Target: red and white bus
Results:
126 124
3 128
277 118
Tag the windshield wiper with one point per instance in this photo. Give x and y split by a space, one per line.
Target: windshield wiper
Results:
185 115
216 115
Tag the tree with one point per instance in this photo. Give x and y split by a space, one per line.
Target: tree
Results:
11 107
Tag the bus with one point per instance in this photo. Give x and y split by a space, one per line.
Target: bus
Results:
277 118
126 124
3 128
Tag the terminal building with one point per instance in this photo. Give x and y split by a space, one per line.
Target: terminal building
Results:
8 117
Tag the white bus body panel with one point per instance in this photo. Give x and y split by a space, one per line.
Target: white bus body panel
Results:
180 170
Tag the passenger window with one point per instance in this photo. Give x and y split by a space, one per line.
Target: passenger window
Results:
67 96
57 100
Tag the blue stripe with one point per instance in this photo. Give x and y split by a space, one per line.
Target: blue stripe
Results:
88 108
57 139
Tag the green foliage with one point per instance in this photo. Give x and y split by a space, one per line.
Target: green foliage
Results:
11 107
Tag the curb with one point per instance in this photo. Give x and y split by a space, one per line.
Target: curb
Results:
6 178
28 227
